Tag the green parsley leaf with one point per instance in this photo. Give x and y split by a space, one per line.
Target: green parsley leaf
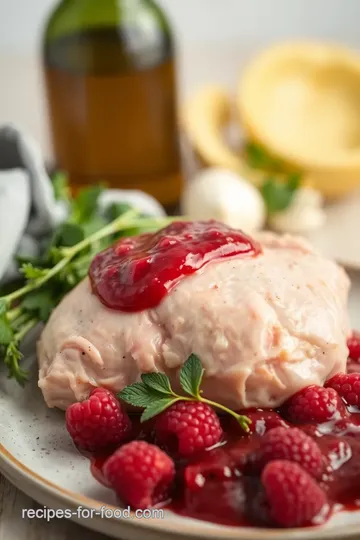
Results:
61 186
32 272
279 195
40 302
157 381
191 376
54 254
85 205
34 261
59 268
294 181
3 307
95 224
258 157
6 332
157 407
155 394
69 234
139 395
114 210
12 359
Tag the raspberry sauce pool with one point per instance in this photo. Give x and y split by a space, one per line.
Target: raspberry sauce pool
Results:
217 485
136 273
227 483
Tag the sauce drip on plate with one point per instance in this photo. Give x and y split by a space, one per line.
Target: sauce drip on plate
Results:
218 488
137 273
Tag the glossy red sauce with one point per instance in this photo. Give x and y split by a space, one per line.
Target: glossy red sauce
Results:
218 485
137 272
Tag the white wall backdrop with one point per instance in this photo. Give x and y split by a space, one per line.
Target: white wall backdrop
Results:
198 21
215 38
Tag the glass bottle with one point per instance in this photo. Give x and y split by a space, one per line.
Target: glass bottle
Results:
111 89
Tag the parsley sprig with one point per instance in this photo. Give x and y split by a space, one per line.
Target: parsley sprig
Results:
154 393
279 185
63 264
279 195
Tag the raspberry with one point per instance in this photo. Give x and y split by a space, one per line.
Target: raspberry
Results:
140 473
98 422
290 444
294 497
354 346
314 404
347 386
188 427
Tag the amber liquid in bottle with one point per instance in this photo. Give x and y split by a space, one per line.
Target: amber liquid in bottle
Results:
112 114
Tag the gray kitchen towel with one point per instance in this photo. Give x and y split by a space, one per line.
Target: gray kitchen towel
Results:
28 209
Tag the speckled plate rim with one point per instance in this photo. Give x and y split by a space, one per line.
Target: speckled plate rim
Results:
50 494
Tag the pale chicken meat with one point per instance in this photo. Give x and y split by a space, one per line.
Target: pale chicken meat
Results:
263 327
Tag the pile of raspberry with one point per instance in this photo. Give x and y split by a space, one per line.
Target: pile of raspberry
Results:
286 463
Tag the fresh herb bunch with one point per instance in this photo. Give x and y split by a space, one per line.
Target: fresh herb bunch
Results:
154 393
63 264
280 184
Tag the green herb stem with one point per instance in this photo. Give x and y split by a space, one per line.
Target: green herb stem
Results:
154 393
18 293
244 421
69 253
13 313
126 221
81 266
20 320
29 325
63 263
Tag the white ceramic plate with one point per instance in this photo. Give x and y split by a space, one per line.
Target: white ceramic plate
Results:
37 455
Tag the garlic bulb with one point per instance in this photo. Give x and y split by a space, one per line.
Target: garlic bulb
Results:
220 194
305 213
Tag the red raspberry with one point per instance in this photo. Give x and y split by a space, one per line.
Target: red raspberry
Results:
290 444
98 422
140 473
347 386
188 427
354 346
314 404
294 497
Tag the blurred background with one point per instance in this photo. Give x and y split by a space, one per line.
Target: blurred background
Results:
215 39
252 108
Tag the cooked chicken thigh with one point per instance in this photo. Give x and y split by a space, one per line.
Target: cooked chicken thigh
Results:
263 327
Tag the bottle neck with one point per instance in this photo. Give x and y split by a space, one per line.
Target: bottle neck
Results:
106 4
102 12
95 36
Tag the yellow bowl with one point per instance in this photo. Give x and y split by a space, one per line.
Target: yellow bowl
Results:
302 102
